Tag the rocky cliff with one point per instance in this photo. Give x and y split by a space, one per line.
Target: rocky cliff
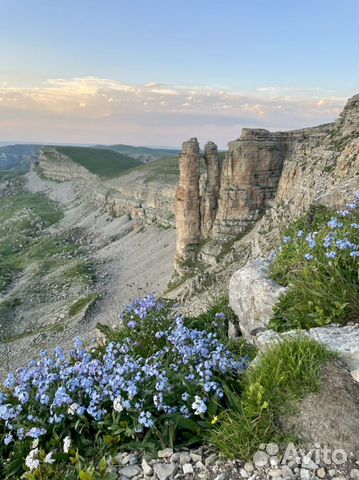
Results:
131 193
265 179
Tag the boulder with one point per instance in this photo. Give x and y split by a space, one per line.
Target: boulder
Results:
252 296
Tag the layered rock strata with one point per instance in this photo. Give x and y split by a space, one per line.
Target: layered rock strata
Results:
131 194
272 176
188 220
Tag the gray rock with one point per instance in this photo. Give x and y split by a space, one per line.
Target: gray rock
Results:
308 463
274 461
252 296
272 448
222 476
275 472
199 466
305 474
211 459
249 467
321 473
260 458
187 469
184 458
175 457
130 471
147 469
354 474
166 453
195 457
287 473
243 473
165 470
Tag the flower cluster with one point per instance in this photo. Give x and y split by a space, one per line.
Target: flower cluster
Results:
319 265
338 237
181 376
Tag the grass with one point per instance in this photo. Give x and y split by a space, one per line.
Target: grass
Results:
102 162
288 262
83 303
23 216
48 265
321 289
283 376
165 169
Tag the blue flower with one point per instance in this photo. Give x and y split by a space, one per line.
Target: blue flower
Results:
8 439
36 432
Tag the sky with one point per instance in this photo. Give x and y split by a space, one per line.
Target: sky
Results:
159 72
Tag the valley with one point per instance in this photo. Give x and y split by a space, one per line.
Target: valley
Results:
67 264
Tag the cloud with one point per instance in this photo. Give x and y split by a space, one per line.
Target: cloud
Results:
94 110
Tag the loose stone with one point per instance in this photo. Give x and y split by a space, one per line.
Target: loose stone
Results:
287 473
187 468
148 470
260 459
165 470
166 453
272 448
130 472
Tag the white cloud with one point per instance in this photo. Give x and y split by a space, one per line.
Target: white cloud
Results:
94 109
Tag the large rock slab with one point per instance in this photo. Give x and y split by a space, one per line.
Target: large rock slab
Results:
252 296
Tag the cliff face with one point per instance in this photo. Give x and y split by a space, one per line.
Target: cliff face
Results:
276 176
188 202
249 179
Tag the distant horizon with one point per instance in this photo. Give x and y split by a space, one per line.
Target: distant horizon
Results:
6 143
162 72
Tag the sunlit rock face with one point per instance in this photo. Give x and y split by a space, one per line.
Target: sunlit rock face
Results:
209 200
188 223
272 176
249 179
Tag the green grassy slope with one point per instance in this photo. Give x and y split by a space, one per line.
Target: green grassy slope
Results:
131 150
104 163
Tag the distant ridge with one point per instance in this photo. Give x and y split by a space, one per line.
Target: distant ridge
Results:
145 154
102 162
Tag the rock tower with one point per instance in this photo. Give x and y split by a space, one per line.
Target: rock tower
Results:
188 221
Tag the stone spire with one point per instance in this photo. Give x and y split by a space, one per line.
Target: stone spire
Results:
209 201
188 223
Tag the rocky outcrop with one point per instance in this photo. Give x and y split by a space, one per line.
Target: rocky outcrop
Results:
129 194
188 222
249 179
349 119
209 200
269 179
252 296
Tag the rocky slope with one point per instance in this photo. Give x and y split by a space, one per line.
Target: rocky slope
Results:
266 181
85 256
130 193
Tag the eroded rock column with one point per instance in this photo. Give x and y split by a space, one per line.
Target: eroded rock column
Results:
209 201
188 222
